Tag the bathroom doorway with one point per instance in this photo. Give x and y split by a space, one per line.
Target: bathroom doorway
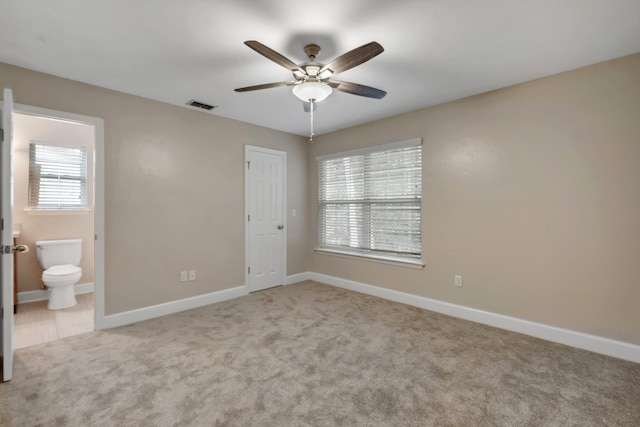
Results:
36 128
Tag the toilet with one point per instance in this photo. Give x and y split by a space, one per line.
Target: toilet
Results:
60 260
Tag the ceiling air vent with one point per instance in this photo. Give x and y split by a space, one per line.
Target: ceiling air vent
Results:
202 105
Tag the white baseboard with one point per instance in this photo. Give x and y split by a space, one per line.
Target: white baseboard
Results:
295 278
596 344
146 313
43 294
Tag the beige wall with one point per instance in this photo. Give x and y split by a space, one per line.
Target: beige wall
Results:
532 193
48 227
174 189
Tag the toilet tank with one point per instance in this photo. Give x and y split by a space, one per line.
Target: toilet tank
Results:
59 252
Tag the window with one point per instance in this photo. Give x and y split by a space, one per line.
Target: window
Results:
369 202
57 177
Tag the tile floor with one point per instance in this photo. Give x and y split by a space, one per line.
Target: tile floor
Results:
35 324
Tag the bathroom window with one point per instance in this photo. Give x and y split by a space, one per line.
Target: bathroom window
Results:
369 202
57 177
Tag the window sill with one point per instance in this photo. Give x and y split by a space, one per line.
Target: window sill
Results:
407 263
36 212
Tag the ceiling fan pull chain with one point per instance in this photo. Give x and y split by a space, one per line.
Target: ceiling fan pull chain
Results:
311 117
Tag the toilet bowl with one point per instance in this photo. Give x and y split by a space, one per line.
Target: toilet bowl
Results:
60 259
60 280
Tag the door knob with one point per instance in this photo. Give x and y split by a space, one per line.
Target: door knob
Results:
20 248
280 227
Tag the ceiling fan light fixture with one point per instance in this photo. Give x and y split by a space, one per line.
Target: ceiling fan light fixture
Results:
315 91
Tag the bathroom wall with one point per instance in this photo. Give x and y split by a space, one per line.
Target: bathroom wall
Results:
48 226
531 192
174 189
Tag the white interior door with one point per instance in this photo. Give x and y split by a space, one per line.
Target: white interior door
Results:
265 205
6 208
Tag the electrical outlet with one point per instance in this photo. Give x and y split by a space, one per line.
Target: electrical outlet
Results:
457 280
184 276
294 212
192 275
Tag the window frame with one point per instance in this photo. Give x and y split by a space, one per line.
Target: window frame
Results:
369 254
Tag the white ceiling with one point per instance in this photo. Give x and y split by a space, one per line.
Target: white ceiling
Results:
435 50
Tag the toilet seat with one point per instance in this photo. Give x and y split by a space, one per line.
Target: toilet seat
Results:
60 273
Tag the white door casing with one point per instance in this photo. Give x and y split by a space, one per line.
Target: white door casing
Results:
265 207
98 196
6 208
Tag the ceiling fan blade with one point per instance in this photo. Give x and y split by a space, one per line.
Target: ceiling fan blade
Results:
353 58
356 89
264 86
271 54
307 106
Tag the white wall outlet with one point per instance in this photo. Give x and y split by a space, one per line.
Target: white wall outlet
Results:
457 280
184 276
192 275
294 212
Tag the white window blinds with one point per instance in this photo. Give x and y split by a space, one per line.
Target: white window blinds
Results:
57 176
370 201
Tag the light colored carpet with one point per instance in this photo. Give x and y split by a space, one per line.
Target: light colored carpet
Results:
314 355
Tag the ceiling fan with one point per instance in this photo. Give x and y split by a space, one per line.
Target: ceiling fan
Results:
312 81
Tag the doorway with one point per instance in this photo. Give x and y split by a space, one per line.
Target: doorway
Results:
265 207
34 323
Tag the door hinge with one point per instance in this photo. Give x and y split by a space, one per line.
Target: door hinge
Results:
248 165
1 134
249 270
248 217
3 223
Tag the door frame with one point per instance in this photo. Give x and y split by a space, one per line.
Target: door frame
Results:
248 149
98 196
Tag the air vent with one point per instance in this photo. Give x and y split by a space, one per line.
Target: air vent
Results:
202 105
